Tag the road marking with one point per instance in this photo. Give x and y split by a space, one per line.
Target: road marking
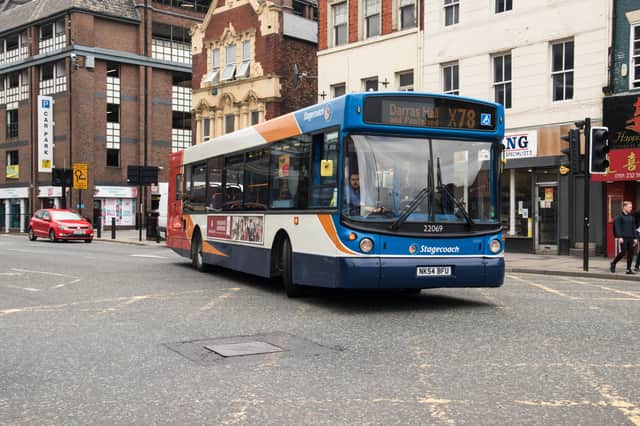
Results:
610 394
437 406
562 403
28 271
545 288
632 294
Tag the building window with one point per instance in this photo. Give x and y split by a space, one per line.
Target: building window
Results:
229 123
171 43
15 47
12 170
339 13
230 63
206 129
372 18
451 12
243 71
113 114
405 81
214 74
407 14
52 78
52 36
635 56
338 90
370 84
451 82
562 70
12 123
181 95
503 5
502 79
255 117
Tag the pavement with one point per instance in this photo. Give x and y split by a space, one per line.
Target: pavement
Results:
572 266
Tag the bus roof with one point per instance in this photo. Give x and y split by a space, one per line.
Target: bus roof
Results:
348 113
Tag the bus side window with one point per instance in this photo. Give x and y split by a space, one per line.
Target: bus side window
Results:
198 187
179 188
234 182
215 193
290 173
324 170
257 179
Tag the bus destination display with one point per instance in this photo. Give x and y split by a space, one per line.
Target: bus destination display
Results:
429 112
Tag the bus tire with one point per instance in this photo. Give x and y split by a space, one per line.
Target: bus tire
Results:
286 262
197 258
413 291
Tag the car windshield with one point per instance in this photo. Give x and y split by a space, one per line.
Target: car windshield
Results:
401 179
65 216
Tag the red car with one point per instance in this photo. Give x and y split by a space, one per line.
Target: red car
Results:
59 224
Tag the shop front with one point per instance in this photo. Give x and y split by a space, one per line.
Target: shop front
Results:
14 209
530 192
49 197
115 202
621 114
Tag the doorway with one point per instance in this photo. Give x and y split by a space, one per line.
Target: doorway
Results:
546 218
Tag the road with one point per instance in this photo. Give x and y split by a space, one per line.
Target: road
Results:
109 333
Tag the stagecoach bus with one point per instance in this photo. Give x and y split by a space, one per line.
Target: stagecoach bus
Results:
368 190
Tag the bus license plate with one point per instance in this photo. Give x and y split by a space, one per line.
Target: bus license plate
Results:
430 271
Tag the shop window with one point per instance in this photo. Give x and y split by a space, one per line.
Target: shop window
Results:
523 205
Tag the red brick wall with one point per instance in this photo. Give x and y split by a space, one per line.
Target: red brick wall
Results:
306 92
353 21
387 16
323 22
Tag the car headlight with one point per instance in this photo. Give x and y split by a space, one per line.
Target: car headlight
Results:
63 228
495 246
366 245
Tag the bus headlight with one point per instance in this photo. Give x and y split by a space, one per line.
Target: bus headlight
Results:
495 246
366 245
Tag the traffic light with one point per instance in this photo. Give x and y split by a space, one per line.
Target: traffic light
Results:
62 177
599 150
572 150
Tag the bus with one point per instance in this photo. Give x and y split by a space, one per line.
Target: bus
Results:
392 190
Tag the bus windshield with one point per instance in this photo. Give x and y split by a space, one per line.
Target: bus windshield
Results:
403 179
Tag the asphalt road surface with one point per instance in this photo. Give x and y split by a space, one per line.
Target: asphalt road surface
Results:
109 333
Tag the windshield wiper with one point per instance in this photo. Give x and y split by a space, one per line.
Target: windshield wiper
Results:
458 204
410 208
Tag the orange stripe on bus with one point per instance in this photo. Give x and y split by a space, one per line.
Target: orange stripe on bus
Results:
210 249
327 224
279 128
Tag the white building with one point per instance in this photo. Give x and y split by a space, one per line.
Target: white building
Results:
546 61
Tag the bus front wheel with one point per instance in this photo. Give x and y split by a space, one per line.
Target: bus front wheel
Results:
286 258
197 259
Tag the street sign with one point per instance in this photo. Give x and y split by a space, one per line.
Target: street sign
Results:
564 170
80 175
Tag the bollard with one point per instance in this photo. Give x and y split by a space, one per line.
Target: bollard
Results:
113 228
99 224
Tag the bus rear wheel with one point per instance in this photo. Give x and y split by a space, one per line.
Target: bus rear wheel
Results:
286 259
197 259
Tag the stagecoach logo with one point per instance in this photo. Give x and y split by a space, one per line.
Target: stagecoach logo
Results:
413 249
322 112
433 250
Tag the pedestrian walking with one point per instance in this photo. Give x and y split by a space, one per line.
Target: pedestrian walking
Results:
624 231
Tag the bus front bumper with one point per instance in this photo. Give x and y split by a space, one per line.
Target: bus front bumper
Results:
402 272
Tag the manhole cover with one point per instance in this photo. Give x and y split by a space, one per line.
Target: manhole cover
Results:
246 348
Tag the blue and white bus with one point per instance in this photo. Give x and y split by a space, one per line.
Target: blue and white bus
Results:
368 190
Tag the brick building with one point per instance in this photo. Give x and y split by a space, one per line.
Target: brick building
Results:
74 77
368 45
243 59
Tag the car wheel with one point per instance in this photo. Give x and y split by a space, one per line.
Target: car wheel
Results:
286 258
32 236
197 259
52 236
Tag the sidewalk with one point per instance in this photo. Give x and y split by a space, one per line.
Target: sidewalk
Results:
515 262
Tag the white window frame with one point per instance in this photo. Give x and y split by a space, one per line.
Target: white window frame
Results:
454 7
371 13
406 87
402 5
230 63
453 68
564 72
214 75
337 86
57 83
334 24
502 6
243 71
634 57
504 82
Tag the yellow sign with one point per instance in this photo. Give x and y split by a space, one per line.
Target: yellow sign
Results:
564 170
13 171
80 175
